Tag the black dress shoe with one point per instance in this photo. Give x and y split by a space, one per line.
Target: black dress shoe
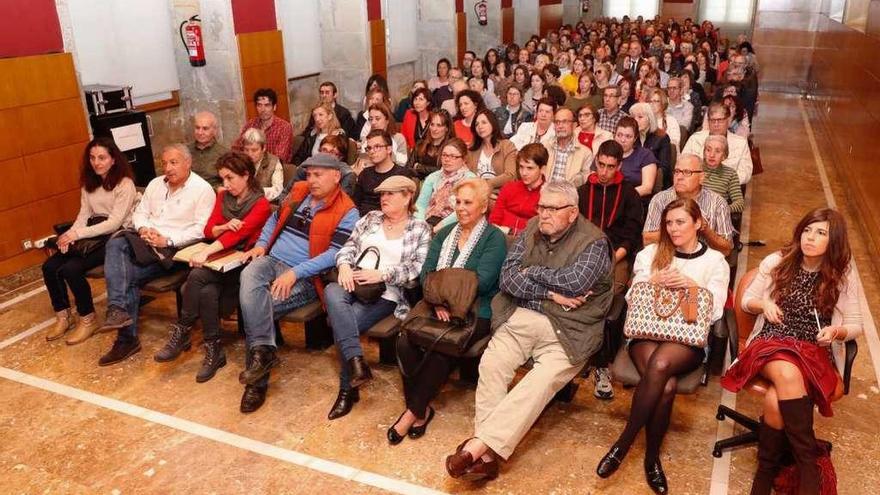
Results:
609 464
395 438
121 350
360 372
419 431
252 398
262 359
656 477
344 402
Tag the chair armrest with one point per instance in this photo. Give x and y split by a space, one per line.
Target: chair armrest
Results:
852 349
732 333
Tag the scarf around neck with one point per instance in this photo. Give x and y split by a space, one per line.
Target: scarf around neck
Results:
451 242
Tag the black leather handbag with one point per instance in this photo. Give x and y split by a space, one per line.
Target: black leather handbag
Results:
365 293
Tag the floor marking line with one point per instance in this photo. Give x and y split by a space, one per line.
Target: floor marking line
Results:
324 466
721 466
38 327
868 325
21 297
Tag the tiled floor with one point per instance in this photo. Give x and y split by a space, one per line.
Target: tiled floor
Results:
51 443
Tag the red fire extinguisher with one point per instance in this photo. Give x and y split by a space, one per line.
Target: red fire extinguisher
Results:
191 36
481 8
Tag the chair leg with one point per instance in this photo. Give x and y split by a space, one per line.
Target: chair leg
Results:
178 299
469 370
279 337
566 393
388 350
318 334
737 417
239 320
743 439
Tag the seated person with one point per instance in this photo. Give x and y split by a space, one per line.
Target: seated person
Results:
639 163
716 229
406 103
612 204
517 202
205 149
240 211
539 131
324 123
328 94
656 140
417 120
568 160
511 115
279 132
587 131
375 96
425 157
337 146
490 101
381 167
298 242
380 120
267 167
555 290
473 244
107 199
719 178
491 157
172 213
807 298
400 241
467 102
436 203
678 260
739 156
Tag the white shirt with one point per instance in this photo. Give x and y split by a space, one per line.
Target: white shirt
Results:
526 133
390 254
180 216
739 157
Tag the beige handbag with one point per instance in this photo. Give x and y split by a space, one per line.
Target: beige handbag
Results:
657 313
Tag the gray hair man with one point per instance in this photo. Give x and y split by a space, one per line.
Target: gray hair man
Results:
555 289
205 150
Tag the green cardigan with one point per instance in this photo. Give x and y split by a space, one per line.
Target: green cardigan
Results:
486 259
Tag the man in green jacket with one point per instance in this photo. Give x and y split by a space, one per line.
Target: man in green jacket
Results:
556 287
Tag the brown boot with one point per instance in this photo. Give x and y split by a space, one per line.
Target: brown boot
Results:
63 323
84 329
772 445
798 417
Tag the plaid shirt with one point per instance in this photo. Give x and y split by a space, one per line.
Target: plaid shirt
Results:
712 206
561 160
530 285
609 121
279 137
416 239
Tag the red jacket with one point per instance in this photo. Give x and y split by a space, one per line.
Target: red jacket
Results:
515 206
252 223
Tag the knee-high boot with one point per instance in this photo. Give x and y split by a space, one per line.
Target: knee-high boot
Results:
798 417
771 448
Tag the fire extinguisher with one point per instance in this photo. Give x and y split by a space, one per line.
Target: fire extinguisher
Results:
481 8
191 36
585 6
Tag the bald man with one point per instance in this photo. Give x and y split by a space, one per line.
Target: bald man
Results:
205 149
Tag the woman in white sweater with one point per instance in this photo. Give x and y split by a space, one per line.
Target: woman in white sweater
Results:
106 205
679 260
807 298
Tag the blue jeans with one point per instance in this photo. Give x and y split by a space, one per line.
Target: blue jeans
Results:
350 318
124 279
258 308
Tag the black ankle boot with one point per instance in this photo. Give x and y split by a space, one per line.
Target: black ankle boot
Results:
360 372
260 359
122 349
252 398
609 464
655 476
798 417
178 341
344 402
215 359
772 445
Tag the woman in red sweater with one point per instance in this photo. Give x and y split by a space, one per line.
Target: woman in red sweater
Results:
415 122
239 213
517 202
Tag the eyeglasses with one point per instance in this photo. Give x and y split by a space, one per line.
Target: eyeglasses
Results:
685 172
551 209
368 148
585 114
717 121
562 121
449 156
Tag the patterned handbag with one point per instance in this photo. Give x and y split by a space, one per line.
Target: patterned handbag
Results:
669 315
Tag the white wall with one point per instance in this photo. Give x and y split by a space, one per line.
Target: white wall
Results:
525 20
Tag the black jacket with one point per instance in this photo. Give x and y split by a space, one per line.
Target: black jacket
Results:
616 209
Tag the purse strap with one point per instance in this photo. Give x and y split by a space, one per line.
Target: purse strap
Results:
681 295
371 249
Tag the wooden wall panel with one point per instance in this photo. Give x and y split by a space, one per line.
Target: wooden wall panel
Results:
461 31
378 50
550 18
261 56
507 25
42 134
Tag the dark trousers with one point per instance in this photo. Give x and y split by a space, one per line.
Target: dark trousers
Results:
425 373
202 296
61 271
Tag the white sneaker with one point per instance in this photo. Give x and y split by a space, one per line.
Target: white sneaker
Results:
604 390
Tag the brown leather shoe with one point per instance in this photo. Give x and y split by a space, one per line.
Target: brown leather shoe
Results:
85 328
63 323
458 463
482 470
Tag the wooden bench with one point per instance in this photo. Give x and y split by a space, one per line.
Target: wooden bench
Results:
172 282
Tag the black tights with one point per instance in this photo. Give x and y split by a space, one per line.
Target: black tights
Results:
658 364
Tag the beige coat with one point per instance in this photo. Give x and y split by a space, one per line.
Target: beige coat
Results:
577 167
503 163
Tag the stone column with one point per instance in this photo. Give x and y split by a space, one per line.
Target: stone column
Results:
525 20
345 43
436 35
